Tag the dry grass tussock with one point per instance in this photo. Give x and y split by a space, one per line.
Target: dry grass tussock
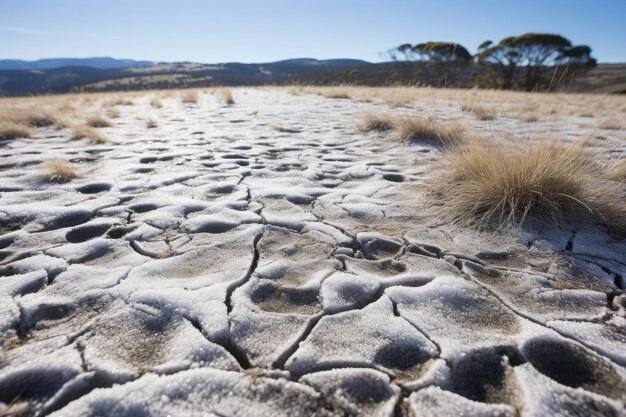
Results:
120 101
58 171
28 116
428 129
151 123
488 183
86 132
156 103
283 129
480 112
190 96
11 130
611 124
616 170
227 96
113 113
97 121
380 122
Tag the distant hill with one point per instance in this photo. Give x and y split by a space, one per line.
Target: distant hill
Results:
53 63
160 75
107 74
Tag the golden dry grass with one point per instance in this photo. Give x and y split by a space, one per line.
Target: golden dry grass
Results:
156 103
29 116
480 112
86 132
120 101
428 129
190 96
616 170
611 124
97 121
283 129
376 121
490 183
11 130
58 171
113 113
227 96
336 92
151 123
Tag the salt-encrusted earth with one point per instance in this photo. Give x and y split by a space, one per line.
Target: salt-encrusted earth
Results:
216 266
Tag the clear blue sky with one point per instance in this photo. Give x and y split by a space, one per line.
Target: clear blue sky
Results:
269 30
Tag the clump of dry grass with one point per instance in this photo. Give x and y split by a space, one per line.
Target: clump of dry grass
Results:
113 113
227 96
487 183
376 121
530 117
28 116
58 171
616 170
85 132
190 96
11 130
283 129
120 101
151 123
98 121
481 112
336 92
156 103
610 124
427 129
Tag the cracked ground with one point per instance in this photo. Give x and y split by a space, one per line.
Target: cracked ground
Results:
221 265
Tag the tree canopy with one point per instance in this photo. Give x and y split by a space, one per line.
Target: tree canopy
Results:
530 61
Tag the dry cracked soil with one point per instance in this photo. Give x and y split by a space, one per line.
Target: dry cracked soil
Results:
219 266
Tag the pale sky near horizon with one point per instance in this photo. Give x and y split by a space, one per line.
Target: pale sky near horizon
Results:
263 31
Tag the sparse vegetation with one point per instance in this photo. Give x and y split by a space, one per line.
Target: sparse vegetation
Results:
98 121
336 92
428 129
611 124
11 130
495 184
227 96
156 103
283 129
190 96
28 116
151 123
616 170
57 170
480 112
113 113
85 132
376 121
